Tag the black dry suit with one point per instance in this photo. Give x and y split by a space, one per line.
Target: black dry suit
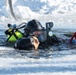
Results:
34 28
45 37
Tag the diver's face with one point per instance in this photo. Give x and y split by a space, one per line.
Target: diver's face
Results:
36 33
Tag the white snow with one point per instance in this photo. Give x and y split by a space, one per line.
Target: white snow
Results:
63 14
61 65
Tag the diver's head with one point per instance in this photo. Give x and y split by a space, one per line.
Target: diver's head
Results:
31 26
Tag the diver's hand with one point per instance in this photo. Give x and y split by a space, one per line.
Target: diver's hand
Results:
36 42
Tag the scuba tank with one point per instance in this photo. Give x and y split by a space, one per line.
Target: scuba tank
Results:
51 38
13 33
14 36
49 33
49 25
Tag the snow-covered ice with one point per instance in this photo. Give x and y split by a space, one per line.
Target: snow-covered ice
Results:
63 14
54 65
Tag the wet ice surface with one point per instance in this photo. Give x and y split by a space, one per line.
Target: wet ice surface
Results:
54 63
7 50
57 60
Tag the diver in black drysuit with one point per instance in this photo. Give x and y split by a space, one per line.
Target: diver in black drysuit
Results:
35 28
